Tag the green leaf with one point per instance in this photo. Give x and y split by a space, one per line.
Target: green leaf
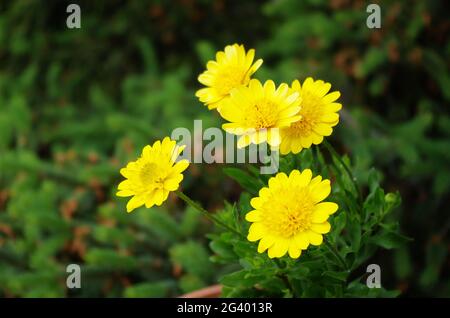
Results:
339 276
246 181
193 258
354 230
390 240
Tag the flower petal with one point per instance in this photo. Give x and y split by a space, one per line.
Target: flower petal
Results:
321 228
314 238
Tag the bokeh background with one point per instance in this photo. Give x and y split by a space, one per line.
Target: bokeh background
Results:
77 104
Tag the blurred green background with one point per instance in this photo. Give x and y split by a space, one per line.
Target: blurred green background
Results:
77 104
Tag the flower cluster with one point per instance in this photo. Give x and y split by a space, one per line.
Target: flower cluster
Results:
291 117
289 214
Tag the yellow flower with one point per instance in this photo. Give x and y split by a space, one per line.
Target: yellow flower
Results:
232 68
256 112
319 115
289 214
153 175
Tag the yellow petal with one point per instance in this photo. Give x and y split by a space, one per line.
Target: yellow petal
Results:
285 146
296 85
333 107
319 216
273 137
256 202
316 139
314 238
281 177
321 191
146 152
331 97
306 141
255 67
149 202
265 243
302 240
253 216
172 184
327 207
296 145
159 197
315 181
294 251
323 129
279 248
181 165
307 84
135 202
305 178
330 118
205 78
244 141
294 174
125 185
125 193
255 232
321 228
323 89
269 88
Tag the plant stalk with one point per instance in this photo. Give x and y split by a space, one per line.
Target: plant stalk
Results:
335 155
333 250
207 214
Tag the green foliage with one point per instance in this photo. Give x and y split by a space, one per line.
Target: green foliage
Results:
395 113
359 229
75 105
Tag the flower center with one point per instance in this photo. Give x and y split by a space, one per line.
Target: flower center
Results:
261 115
311 113
229 78
150 174
290 216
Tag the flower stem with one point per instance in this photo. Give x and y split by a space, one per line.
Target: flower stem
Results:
284 277
333 250
343 164
207 214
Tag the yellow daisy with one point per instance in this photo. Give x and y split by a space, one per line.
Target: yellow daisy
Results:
153 175
289 214
256 112
232 68
319 112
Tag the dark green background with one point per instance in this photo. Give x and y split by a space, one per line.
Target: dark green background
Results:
76 105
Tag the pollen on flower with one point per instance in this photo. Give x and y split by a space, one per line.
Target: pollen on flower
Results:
254 110
151 174
311 114
261 115
289 219
229 78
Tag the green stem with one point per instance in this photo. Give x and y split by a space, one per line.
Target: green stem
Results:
207 214
343 164
333 250
284 277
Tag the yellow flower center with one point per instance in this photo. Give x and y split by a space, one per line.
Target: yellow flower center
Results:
261 115
289 216
151 174
229 78
311 113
